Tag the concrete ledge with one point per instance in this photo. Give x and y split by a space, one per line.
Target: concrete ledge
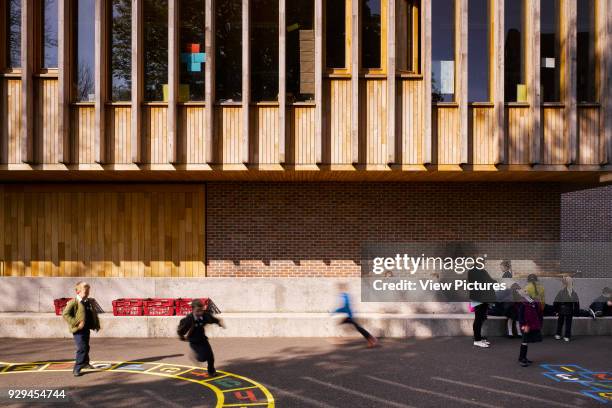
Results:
48 325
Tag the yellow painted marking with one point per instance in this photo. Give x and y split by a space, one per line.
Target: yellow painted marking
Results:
207 382
240 389
567 369
251 404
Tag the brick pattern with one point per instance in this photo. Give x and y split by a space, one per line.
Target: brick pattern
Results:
317 229
587 217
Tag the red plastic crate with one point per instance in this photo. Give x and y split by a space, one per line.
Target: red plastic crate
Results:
183 305
60 304
127 307
159 307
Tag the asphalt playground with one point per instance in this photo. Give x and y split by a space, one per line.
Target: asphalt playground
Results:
307 372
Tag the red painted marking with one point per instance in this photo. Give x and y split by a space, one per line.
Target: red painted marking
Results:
245 395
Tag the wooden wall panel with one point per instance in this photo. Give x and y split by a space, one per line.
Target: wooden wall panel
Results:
265 134
590 138
338 125
155 131
302 134
518 135
120 134
373 121
192 126
448 135
139 233
556 140
412 108
83 129
229 134
11 116
48 145
484 140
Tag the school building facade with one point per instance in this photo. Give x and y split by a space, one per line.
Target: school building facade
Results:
229 140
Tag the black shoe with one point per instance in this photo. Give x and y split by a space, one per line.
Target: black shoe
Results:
528 361
524 363
77 373
89 367
213 373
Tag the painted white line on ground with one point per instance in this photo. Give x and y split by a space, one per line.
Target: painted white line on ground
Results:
548 387
503 392
382 401
430 392
301 398
161 399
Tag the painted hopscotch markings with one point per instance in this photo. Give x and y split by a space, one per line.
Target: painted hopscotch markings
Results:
231 390
597 384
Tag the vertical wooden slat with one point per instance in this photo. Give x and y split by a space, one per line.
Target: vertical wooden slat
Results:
319 81
173 77
137 81
27 81
246 81
497 76
426 70
100 53
391 83
568 73
64 78
532 73
461 91
606 40
355 66
282 79
210 77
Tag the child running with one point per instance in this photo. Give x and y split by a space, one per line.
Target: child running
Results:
191 329
530 319
566 305
346 309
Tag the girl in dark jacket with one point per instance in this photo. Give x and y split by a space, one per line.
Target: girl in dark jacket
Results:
530 319
566 305
479 300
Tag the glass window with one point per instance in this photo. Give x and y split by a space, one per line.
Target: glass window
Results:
478 51
586 51
443 51
264 50
13 33
192 50
84 15
228 44
300 50
335 33
514 80
121 46
155 36
49 34
371 34
408 58
549 51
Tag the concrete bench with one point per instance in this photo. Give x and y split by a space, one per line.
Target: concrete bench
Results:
48 325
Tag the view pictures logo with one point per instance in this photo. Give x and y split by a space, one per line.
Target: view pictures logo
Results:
412 264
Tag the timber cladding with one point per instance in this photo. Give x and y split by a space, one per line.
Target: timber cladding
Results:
102 230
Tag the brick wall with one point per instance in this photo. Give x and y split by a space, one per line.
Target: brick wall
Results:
587 217
317 229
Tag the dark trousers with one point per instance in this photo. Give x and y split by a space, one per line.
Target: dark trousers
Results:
567 321
480 315
203 352
360 329
81 340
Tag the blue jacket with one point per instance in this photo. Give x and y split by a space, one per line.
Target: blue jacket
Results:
346 305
